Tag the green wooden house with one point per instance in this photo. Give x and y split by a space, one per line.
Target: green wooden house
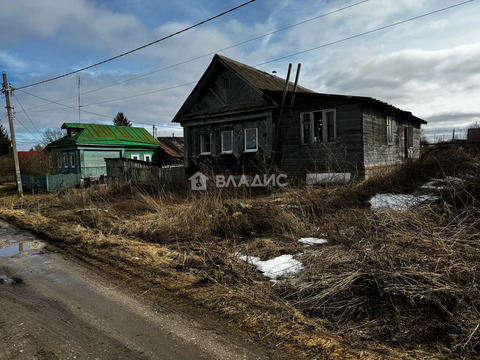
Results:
84 149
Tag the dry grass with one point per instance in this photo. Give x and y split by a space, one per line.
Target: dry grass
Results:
387 285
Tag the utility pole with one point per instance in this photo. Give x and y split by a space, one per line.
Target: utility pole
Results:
18 177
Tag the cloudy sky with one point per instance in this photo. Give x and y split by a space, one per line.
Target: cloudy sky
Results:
414 54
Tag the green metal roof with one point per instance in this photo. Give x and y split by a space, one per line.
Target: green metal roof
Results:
96 134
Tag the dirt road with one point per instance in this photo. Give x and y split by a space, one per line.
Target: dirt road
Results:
55 308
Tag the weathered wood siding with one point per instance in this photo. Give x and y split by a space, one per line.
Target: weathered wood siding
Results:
342 155
378 153
227 88
234 161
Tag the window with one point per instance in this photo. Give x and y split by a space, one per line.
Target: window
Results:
65 160
318 126
72 160
135 157
205 144
409 134
148 157
389 130
227 142
251 143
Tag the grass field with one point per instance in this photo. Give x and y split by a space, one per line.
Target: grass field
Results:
387 283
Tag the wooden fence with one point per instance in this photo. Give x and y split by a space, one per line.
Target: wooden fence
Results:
143 173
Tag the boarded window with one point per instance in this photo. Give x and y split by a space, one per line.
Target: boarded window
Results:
409 133
389 131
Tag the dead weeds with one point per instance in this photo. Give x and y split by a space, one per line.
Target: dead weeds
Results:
388 284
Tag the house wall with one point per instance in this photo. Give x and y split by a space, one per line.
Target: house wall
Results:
90 161
342 155
378 154
215 126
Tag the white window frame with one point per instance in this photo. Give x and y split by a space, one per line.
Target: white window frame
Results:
390 123
65 160
313 138
135 156
202 143
72 160
147 157
245 140
230 133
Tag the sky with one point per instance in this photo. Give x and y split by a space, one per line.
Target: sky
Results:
413 54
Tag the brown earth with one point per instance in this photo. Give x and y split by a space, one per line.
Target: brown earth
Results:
53 307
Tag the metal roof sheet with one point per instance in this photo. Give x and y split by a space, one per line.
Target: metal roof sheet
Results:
97 134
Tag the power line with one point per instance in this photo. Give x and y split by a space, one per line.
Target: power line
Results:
210 53
26 128
366 32
66 106
281 58
76 109
142 94
18 101
140 47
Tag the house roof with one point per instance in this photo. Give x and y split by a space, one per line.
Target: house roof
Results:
173 146
272 87
259 79
96 134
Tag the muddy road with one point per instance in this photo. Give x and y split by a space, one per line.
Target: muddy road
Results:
52 307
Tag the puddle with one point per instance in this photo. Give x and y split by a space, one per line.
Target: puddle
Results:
6 280
14 249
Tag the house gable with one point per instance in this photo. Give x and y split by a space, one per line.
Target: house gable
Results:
220 89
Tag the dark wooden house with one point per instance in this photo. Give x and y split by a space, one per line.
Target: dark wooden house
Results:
241 120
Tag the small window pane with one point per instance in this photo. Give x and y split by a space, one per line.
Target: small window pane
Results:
72 161
205 143
306 128
227 141
330 120
250 139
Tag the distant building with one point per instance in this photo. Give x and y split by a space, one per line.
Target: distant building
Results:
84 149
473 135
173 150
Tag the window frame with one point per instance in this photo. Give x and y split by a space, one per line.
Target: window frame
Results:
245 140
410 136
72 161
202 143
311 124
390 131
65 160
222 141
149 156
135 156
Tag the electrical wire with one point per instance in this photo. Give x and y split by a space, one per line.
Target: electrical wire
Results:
366 32
140 47
15 118
26 114
66 106
283 57
210 53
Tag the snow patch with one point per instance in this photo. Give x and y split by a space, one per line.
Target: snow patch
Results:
281 266
309 241
398 202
